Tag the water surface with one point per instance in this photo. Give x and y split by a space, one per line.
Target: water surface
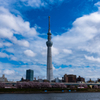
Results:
51 96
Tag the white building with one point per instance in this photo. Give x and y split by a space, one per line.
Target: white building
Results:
3 79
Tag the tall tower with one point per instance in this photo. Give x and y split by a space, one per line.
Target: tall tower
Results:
49 55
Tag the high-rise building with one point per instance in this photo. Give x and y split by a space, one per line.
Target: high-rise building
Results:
29 75
49 55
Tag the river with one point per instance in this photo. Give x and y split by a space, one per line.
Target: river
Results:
51 96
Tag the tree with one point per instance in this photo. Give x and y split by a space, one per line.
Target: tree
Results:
2 85
72 86
45 85
59 85
95 86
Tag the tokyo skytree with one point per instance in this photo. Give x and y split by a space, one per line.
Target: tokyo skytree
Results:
49 44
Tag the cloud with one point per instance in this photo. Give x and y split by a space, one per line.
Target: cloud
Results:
14 24
3 55
40 71
11 24
9 72
36 4
5 33
97 4
86 27
18 72
29 53
41 3
87 73
13 58
5 44
82 39
91 58
67 51
55 51
77 39
23 43
11 50
20 42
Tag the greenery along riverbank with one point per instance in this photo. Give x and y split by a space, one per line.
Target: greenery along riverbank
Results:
54 90
36 87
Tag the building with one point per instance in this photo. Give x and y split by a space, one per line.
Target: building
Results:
3 79
57 80
98 80
65 78
40 80
69 78
45 80
22 80
80 80
90 81
29 75
49 55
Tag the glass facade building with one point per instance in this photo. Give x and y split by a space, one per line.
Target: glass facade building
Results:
29 75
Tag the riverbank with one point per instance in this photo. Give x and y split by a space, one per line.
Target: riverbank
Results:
29 91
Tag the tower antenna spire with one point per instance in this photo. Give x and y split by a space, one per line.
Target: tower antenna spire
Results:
49 31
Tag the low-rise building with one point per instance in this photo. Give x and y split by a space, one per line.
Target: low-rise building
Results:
69 78
90 81
80 79
3 79
98 80
40 80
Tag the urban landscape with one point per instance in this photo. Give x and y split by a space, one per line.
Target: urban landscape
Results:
67 82
49 49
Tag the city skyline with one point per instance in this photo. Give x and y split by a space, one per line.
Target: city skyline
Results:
75 36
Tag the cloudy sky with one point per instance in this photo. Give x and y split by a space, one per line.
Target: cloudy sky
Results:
75 28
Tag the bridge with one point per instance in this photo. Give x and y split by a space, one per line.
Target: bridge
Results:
78 83
52 83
